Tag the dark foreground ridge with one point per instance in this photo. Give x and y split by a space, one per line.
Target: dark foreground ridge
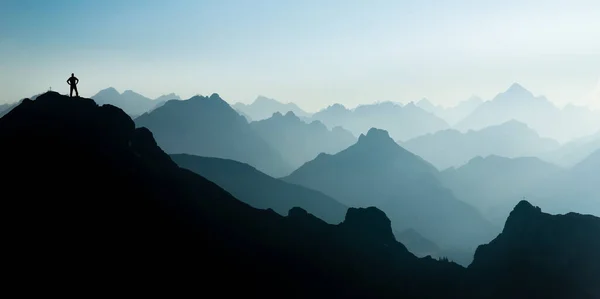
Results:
90 199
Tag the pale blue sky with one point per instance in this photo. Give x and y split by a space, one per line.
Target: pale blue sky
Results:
312 52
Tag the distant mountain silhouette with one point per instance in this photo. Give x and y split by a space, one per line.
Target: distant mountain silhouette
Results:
246 116
540 255
263 108
131 102
496 184
402 122
298 141
451 115
581 182
261 191
98 197
163 99
451 148
537 112
168 97
378 172
575 151
208 126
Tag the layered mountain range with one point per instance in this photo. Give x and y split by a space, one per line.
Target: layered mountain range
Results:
95 195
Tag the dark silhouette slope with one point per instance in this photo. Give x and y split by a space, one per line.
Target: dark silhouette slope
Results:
298 141
540 255
97 202
208 126
261 191
376 171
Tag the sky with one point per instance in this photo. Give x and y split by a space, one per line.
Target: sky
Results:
311 52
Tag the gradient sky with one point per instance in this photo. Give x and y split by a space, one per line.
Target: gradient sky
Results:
312 52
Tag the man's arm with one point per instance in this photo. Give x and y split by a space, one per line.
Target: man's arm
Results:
76 80
68 81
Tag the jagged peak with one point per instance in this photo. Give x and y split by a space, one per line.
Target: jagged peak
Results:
291 114
524 212
375 134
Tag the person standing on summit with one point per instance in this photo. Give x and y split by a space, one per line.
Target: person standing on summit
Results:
72 81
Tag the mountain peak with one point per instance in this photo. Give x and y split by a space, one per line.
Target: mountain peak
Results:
370 221
108 91
375 134
425 104
523 213
518 89
424 101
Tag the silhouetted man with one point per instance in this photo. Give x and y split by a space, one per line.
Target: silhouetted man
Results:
73 83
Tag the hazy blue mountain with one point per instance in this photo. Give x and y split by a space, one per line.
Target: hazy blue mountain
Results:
402 122
494 184
168 97
454 114
263 108
163 99
299 142
574 151
376 171
558 246
582 183
131 102
537 112
451 148
246 116
261 191
208 126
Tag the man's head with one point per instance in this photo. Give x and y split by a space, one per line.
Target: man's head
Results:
72 74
